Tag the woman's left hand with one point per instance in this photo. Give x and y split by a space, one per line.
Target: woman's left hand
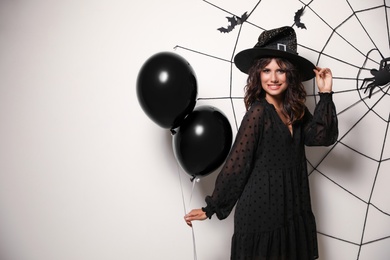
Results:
324 79
195 214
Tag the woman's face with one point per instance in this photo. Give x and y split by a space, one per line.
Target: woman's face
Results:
273 80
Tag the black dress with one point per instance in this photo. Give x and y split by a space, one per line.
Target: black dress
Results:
266 174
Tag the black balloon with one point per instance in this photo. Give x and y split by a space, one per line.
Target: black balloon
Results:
167 89
203 141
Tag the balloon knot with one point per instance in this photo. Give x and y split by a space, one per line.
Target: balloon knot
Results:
194 178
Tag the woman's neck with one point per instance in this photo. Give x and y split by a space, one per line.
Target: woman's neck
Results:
277 102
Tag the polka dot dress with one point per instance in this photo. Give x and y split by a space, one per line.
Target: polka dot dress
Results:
265 174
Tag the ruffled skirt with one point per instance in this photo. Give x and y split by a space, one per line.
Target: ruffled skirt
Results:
297 240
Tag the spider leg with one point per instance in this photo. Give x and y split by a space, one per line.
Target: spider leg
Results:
365 81
370 86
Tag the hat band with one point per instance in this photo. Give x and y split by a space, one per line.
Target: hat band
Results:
277 46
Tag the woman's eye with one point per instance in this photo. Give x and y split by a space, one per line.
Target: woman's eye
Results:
281 71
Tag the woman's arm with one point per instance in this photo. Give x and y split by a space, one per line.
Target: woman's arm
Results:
321 128
236 170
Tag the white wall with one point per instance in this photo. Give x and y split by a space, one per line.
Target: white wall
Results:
85 175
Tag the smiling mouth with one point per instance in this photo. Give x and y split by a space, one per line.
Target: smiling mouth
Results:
274 86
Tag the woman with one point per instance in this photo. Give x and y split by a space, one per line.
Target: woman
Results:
266 172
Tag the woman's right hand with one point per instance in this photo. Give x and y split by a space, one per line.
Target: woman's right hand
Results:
195 214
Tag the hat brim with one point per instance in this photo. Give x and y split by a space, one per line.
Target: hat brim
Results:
245 59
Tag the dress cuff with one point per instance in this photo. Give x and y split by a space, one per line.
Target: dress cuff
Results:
208 211
326 96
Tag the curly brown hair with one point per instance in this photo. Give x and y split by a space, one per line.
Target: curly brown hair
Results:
294 96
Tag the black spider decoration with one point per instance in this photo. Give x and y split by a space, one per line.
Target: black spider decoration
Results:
381 77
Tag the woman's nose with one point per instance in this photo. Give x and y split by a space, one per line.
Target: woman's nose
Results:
274 77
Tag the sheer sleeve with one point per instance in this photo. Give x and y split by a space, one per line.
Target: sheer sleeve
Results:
234 174
321 128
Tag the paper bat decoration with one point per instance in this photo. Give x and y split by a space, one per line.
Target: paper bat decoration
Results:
233 22
297 19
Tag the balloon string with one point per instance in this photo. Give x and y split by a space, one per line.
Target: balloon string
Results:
181 188
194 180
192 228
194 244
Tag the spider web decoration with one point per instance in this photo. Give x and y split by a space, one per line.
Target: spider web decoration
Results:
349 179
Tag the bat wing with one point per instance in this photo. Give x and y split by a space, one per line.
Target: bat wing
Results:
223 30
297 19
